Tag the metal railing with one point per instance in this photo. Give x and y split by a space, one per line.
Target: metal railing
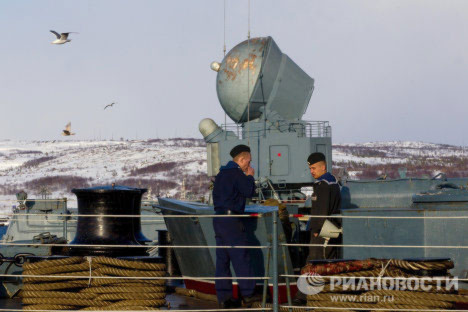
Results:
310 129
284 195
272 250
318 129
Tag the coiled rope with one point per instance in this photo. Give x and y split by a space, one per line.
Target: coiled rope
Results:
423 265
52 263
195 294
94 294
352 298
47 307
419 295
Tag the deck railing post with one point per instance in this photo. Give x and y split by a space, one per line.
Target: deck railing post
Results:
275 261
267 274
288 289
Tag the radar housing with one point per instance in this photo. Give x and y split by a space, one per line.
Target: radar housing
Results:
255 76
266 95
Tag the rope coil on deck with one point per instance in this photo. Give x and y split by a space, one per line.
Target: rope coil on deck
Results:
195 294
52 263
123 308
125 288
353 296
424 265
130 264
66 293
47 307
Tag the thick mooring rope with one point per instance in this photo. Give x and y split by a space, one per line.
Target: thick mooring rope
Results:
49 278
130 264
195 294
55 286
48 307
94 294
65 301
129 273
423 265
418 295
123 281
129 308
353 298
139 302
52 263
376 273
129 296
58 269
57 294
125 288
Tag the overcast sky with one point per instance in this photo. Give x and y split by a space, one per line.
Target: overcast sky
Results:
383 70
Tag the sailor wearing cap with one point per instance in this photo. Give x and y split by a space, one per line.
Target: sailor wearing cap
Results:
233 185
326 200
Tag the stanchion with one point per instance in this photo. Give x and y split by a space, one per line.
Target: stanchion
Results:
286 272
275 262
267 273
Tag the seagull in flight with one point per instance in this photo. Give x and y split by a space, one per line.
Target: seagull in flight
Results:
61 38
110 105
67 131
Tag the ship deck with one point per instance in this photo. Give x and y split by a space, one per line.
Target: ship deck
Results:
176 302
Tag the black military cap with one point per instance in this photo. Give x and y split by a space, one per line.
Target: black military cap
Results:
239 149
315 158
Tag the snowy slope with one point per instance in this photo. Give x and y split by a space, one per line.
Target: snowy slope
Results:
369 160
162 164
30 165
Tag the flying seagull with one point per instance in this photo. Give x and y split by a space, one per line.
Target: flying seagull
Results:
61 38
67 131
110 105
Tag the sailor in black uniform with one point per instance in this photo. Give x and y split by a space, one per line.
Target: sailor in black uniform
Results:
233 185
326 200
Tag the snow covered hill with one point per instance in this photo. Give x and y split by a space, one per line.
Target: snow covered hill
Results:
59 166
162 165
371 160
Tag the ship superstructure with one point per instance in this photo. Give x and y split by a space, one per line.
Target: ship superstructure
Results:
266 95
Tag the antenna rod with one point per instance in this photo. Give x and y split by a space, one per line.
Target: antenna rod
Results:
224 38
248 73
224 54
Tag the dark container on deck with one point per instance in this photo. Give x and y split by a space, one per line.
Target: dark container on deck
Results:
107 200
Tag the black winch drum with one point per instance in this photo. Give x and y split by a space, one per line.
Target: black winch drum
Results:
107 200
139 236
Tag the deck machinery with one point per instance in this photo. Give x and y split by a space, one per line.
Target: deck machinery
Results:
266 94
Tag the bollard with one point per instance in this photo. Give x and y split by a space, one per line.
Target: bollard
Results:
108 202
275 261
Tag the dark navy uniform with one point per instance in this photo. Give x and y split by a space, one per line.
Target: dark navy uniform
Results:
326 201
231 188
